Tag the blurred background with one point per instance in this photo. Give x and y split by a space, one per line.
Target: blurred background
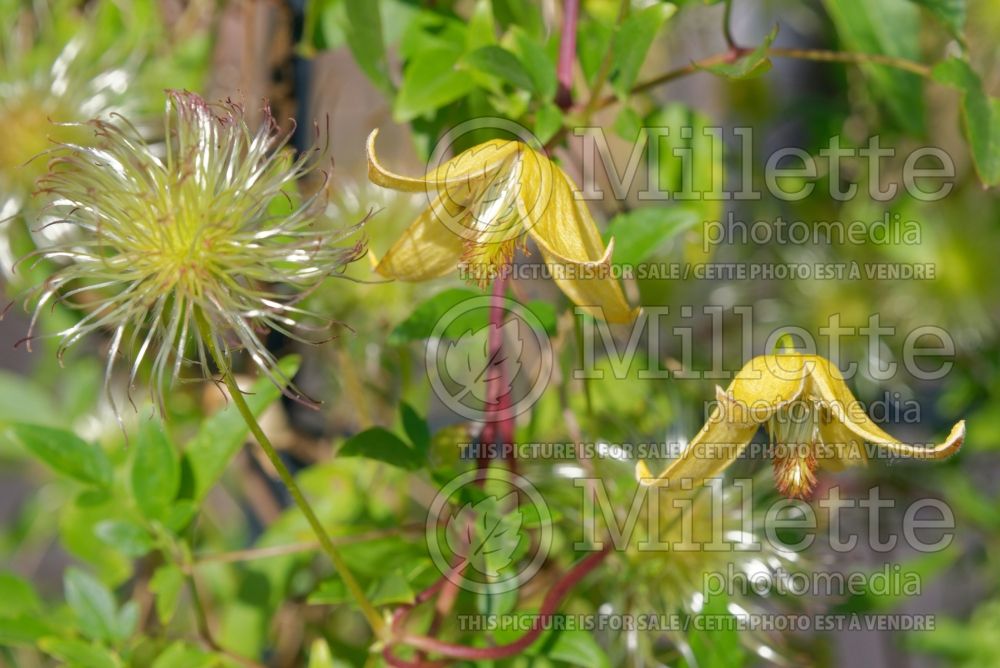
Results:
68 61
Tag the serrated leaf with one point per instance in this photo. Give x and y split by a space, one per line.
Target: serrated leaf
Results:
750 65
66 453
980 116
639 233
632 42
222 435
501 63
382 445
156 473
489 539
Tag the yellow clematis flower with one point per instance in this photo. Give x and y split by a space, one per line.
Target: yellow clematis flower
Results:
811 416
483 204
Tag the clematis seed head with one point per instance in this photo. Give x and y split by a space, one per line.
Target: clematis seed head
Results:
210 227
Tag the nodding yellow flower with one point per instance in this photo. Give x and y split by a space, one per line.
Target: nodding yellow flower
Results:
209 230
484 204
812 419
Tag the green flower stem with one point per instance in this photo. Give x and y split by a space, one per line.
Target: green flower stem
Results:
368 610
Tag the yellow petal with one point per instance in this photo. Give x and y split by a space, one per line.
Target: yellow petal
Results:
841 446
719 443
571 246
768 382
427 249
828 382
471 165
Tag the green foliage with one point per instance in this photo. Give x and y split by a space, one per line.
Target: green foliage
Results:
120 537
980 115
891 28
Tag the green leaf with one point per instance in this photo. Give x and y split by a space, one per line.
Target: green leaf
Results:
501 63
384 446
66 452
751 65
363 31
166 584
416 428
639 233
717 646
420 324
548 121
78 653
537 61
128 620
631 43
156 471
892 28
183 655
78 534
392 589
518 14
330 592
125 536
628 124
222 435
430 81
93 605
578 648
546 314
488 542
951 13
980 116
23 629
17 595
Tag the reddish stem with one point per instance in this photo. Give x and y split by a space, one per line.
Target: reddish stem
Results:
499 427
549 606
567 53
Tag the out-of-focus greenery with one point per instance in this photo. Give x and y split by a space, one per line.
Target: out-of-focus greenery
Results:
173 545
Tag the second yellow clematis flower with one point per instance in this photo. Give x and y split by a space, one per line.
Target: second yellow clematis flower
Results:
810 415
483 204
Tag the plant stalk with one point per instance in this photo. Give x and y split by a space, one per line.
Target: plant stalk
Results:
367 608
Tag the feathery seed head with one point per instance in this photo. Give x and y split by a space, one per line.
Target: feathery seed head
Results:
210 227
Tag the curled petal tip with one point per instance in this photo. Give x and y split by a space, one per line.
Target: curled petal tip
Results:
954 441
